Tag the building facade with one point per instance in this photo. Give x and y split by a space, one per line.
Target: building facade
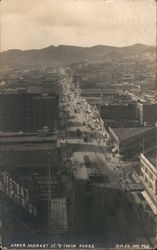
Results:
118 111
28 112
129 142
30 161
147 113
148 177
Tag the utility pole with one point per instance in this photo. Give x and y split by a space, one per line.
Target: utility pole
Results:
0 27
49 190
156 87
156 188
156 48
1 239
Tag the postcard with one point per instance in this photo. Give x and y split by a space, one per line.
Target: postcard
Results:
78 124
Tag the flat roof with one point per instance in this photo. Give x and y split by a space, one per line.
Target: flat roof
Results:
28 147
125 133
117 103
28 157
23 134
27 139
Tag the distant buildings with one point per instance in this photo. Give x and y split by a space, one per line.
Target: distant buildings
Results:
148 177
122 109
25 112
129 142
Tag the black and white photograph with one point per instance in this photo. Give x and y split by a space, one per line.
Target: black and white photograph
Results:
78 124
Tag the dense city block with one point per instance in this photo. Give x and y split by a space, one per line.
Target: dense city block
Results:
78 148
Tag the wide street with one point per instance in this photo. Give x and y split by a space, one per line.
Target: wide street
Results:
77 119
106 215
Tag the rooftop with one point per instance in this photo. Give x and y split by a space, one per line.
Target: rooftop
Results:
126 133
28 160
32 146
29 138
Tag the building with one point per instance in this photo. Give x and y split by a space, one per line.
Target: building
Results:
120 123
129 142
148 177
31 177
119 114
30 160
147 113
118 111
28 112
44 112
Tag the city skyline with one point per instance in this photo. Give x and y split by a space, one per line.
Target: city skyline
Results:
38 24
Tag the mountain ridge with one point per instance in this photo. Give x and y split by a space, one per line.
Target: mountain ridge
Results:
74 54
83 47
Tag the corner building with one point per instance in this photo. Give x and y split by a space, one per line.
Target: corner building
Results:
148 178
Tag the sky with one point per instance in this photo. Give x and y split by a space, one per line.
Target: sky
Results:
35 24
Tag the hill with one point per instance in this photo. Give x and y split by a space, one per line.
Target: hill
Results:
73 54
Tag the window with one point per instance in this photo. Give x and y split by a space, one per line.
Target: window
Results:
151 176
151 186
